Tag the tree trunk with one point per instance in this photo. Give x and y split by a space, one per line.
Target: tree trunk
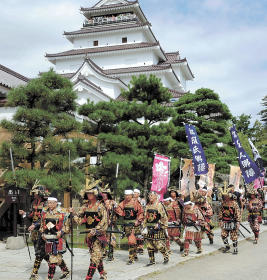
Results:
146 185
98 152
33 155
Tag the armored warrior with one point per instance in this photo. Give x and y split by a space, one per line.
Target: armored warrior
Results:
39 194
155 228
206 210
54 225
94 215
174 222
254 206
193 221
110 206
133 214
139 239
229 219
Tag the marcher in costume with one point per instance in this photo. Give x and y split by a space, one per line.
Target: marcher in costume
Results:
261 196
139 238
155 228
110 206
54 225
229 219
193 220
39 194
254 207
174 221
133 214
206 210
94 215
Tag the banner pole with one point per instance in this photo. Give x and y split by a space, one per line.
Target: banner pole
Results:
180 173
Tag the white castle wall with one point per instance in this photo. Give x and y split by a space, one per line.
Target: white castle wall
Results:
109 39
110 60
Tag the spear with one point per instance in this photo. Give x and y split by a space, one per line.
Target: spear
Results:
71 223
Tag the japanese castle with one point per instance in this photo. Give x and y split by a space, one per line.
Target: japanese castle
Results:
115 43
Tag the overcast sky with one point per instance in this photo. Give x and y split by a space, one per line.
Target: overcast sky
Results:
225 41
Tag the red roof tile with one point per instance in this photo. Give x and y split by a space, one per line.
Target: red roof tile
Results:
111 27
104 49
13 73
94 8
136 69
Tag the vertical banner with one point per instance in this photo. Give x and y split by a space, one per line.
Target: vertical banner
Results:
188 179
235 176
249 168
199 159
161 174
207 179
257 157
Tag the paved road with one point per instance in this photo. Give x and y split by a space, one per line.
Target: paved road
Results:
15 264
249 264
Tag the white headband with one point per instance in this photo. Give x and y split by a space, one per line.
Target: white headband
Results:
128 192
188 202
52 199
137 191
168 198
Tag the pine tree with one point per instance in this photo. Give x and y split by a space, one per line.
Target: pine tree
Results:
40 129
212 119
143 128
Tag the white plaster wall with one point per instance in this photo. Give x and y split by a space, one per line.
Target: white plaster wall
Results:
107 61
108 39
162 76
7 113
68 65
122 59
180 75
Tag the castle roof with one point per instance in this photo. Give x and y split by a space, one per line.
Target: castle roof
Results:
10 78
106 28
95 50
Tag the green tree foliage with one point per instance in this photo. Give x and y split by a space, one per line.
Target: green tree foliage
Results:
40 129
242 124
211 118
100 118
256 132
133 130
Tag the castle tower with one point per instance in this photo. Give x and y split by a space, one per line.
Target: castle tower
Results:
115 43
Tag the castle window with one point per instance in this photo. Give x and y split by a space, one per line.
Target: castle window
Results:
124 40
95 43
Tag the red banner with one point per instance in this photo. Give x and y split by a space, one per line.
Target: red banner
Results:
161 175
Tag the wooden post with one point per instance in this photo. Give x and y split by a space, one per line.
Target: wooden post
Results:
66 199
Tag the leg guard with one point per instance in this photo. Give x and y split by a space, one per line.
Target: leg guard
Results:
151 256
51 270
91 271
235 247
64 269
100 268
186 248
36 265
227 246
198 245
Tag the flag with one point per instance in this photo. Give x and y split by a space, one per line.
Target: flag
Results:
257 157
199 159
188 179
161 174
207 179
249 168
235 175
